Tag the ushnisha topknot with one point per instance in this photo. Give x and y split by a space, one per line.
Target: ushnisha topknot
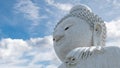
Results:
80 7
85 13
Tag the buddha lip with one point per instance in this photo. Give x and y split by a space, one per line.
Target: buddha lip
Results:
58 38
58 42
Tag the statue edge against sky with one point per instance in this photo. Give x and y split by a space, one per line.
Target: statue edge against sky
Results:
98 36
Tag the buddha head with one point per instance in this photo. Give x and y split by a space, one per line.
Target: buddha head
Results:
79 28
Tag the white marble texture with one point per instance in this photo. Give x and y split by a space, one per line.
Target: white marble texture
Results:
108 58
79 41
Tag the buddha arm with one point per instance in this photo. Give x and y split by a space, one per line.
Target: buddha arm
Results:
81 53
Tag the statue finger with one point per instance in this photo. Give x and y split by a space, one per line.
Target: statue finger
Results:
81 53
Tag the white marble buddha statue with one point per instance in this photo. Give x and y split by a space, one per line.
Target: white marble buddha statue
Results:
79 37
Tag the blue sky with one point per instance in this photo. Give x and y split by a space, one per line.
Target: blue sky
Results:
24 19
26 28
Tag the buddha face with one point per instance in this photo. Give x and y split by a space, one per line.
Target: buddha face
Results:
71 33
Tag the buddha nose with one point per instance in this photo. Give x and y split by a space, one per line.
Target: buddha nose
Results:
57 36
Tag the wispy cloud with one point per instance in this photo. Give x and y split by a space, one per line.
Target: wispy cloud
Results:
39 52
56 11
29 9
115 3
61 6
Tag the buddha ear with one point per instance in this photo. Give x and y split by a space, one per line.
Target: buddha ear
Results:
97 34
98 29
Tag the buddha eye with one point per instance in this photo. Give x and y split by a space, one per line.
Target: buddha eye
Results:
96 29
66 28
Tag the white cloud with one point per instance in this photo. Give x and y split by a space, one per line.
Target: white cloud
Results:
11 50
61 6
33 53
9 66
113 32
51 66
39 52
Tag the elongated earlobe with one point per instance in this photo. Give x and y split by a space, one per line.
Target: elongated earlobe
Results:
98 29
97 35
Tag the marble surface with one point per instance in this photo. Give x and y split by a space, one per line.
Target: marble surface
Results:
79 41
